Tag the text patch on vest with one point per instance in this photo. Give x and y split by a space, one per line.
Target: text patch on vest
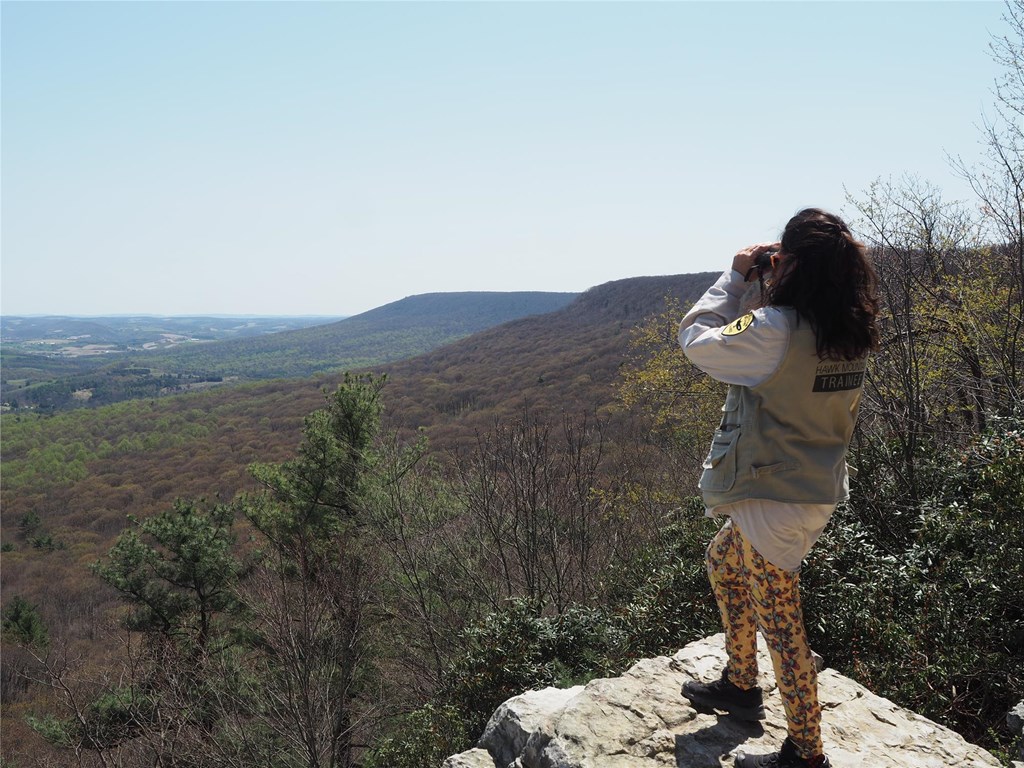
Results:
838 375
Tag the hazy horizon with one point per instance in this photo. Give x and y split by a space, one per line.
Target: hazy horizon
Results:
324 159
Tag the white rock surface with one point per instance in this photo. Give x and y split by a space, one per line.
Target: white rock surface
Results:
509 731
641 720
474 758
1015 719
1015 722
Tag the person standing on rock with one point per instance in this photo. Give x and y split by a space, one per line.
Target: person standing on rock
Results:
777 465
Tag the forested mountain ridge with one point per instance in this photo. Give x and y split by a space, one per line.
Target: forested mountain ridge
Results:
393 331
396 330
548 546
71 479
76 467
84 470
565 361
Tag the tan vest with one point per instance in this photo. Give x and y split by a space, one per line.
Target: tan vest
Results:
785 439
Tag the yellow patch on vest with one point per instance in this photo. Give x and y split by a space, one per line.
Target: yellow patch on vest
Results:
739 325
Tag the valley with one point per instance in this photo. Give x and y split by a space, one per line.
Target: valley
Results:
528 515
56 364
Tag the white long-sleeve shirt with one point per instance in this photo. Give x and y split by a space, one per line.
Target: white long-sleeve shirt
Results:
747 357
746 351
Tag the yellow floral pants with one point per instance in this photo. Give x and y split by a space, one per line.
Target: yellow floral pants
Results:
752 593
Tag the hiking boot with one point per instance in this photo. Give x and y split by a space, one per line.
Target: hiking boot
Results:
722 694
787 757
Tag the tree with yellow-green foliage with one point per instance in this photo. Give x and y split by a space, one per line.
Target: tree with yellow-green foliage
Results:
682 404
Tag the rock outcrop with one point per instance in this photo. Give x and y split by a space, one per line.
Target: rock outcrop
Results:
1015 722
641 720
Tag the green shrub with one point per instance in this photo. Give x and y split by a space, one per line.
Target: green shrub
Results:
516 650
665 600
424 738
22 624
936 624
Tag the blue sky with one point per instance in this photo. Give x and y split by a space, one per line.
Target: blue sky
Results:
331 157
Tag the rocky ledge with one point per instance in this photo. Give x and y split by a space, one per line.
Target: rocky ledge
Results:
640 720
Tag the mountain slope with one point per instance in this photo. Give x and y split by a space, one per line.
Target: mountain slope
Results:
71 479
400 329
565 360
403 328
83 471
86 469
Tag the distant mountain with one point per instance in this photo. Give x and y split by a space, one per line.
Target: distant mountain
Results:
81 473
99 361
199 444
565 360
46 359
400 329
81 336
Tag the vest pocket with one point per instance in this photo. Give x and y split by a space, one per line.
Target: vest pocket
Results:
771 469
720 466
730 410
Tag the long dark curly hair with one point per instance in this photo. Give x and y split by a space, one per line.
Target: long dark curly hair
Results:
830 282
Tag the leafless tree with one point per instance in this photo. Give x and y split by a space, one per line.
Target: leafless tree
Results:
998 182
532 494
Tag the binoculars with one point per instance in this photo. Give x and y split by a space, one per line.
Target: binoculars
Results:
763 262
